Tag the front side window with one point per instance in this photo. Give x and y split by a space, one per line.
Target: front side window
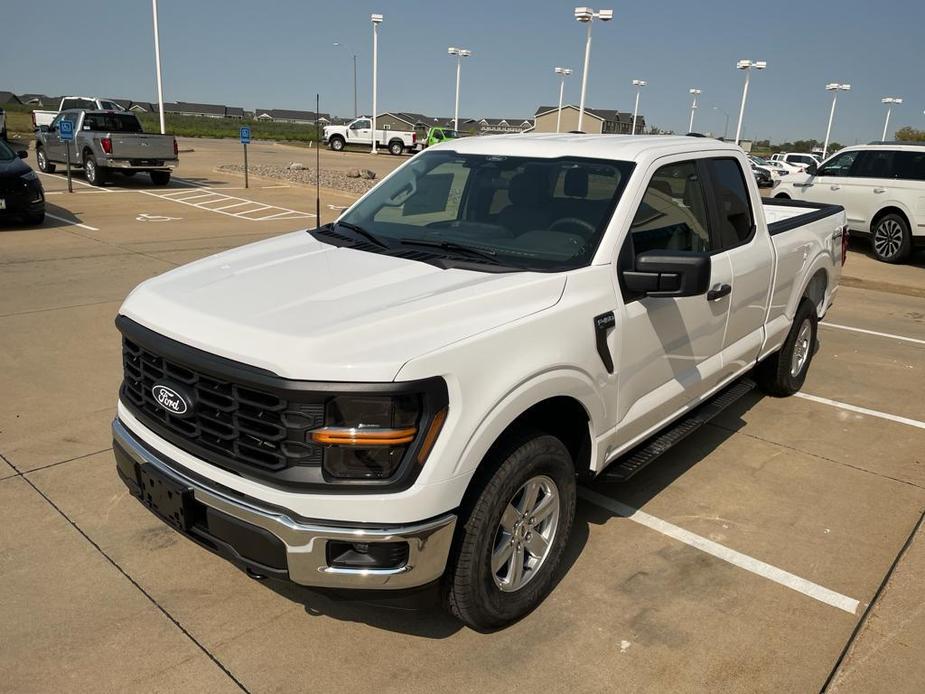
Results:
673 212
521 212
734 206
360 125
875 163
839 165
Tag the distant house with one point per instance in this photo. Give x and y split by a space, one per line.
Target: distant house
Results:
9 98
124 103
496 126
143 107
185 108
39 100
283 115
596 120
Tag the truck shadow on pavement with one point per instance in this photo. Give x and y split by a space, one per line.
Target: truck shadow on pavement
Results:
418 612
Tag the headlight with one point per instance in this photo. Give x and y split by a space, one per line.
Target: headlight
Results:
29 176
369 436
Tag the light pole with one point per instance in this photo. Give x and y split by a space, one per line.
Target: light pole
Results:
746 65
587 16
726 127
833 87
460 53
889 101
639 84
563 72
343 45
376 19
695 93
157 65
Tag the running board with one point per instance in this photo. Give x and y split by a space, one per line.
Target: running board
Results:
630 463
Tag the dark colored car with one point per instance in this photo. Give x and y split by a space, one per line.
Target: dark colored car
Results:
21 192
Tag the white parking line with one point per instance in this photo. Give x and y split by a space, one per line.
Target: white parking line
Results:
71 221
743 561
61 177
862 410
873 332
199 201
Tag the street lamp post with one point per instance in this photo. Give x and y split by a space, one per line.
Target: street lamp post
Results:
343 45
460 53
726 127
587 16
563 72
889 101
695 93
157 65
833 87
376 19
639 84
746 65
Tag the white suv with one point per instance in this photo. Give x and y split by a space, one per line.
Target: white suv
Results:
882 188
795 158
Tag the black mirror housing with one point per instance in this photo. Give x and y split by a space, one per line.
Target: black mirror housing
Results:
811 169
665 273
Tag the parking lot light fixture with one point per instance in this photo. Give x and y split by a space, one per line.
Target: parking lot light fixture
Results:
376 19
586 15
563 72
889 101
695 93
833 87
746 65
460 53
157 66
639 84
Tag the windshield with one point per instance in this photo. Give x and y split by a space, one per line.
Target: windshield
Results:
6 154
526 213
112 122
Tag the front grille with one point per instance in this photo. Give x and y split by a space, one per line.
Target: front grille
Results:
239 425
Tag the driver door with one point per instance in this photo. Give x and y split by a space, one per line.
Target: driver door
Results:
359 132
833 184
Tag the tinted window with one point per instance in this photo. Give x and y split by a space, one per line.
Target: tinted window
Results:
77 103
673 212
6 153
112 122
910 166
874 163
733 204
839 165
360 124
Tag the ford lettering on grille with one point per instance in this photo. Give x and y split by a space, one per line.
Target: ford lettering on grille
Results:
171 400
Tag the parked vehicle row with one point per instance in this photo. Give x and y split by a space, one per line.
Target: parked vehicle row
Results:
359 133
409 394
882 188
21 192
106 142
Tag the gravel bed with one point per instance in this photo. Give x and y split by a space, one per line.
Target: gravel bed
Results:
336 180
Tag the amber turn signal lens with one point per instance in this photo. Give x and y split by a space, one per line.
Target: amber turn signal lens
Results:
432 432
348 436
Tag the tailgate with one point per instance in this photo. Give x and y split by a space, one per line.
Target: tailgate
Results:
139 146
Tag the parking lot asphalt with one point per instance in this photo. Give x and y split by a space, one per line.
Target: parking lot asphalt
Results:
778 549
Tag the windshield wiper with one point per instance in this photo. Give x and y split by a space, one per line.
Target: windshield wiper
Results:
365 234
453 247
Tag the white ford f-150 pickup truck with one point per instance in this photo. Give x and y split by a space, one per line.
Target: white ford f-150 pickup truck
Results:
411 393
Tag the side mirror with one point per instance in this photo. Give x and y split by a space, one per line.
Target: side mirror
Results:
669 273
811 169
44 128
22 154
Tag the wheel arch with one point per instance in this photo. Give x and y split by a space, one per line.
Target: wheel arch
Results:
892 208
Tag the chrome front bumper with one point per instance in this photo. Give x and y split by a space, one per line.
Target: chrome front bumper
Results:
306 542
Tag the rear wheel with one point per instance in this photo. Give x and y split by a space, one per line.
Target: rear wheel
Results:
396 147
784 372
94 174
45 166
891 240
512 533
337 144
160 178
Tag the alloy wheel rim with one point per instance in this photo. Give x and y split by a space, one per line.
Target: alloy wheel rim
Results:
888 238
41 158
802 348
91 170
523 540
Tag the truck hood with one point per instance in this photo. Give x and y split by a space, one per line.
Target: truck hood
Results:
307 310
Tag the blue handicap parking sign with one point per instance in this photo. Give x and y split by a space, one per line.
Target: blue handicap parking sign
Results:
245 136
66 128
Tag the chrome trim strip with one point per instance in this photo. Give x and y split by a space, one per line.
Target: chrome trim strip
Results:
428 542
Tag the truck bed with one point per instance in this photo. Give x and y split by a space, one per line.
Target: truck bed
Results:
785 215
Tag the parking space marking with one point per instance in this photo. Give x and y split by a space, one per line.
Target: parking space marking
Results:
61 177
862 410
207 201
873 332
743 561
71 221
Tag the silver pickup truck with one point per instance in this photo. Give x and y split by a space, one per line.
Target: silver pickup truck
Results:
105 142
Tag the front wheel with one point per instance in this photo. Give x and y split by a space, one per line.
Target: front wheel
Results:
396 147
160 178
512 533
337 144
784 372
891 240
95 175
45 166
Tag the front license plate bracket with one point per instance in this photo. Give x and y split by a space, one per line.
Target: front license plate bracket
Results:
170 500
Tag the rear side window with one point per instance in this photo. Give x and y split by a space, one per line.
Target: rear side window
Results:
875 163
910 166
673 212
734 208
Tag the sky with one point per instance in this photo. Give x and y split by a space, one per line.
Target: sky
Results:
279 53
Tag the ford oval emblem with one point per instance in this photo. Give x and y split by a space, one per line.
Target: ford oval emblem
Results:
171 399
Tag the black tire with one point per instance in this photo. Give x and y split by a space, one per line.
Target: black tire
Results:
782 196
470 588
160 178
778 375
890 239
94 174
129 174
34 219
45 166
396 147
337 144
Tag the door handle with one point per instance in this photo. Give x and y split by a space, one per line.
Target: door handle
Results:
719 292
833 187
879 190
